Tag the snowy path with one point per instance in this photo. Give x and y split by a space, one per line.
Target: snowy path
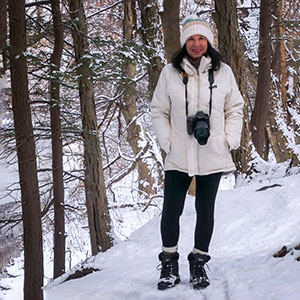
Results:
250 226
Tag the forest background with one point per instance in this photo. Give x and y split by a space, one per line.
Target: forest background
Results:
75 118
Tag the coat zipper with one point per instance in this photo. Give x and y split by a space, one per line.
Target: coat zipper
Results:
198 107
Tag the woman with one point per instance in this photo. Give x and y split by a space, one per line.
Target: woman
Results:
197 122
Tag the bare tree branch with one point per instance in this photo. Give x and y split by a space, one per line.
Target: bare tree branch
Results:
37 3
104 9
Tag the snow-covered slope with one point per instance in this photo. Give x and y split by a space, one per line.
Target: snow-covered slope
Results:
8 175
250 226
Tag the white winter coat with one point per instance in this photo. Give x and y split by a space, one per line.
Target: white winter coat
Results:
169 118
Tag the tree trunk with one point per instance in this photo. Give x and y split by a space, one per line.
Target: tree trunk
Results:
279 54
31 212
259 115
3 35
296 125
170 24
232 49
282 53
128 105
57 148
96 199
151 35
277 112
152 38
276 137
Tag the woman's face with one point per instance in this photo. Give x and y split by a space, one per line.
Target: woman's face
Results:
196 45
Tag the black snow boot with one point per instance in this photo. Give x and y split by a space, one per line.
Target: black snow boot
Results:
198 275
169 276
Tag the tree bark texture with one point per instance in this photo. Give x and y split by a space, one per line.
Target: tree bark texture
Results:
151 34
280 43
57 148
170 24
96 199
296 125
31 212
232 49
128 105
259 115
276 137
3 35
292 12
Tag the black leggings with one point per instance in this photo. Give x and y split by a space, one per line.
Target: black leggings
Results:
176 186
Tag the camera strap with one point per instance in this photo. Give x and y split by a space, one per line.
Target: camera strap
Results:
211 82
185 79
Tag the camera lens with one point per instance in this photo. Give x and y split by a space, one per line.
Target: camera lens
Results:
201 132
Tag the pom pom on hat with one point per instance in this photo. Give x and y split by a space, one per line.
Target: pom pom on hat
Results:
192 25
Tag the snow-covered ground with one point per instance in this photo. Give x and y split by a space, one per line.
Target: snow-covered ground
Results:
8 175
250 226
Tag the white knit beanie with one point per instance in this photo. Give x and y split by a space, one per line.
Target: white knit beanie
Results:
192 25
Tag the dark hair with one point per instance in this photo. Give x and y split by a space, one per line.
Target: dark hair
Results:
216 57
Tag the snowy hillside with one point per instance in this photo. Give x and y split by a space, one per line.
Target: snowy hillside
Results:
8 175
250 227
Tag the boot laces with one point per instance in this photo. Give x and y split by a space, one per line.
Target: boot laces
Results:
167 268
199 270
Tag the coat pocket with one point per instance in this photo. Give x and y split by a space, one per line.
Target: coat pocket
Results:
219 144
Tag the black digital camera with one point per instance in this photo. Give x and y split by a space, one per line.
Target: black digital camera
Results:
199 126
